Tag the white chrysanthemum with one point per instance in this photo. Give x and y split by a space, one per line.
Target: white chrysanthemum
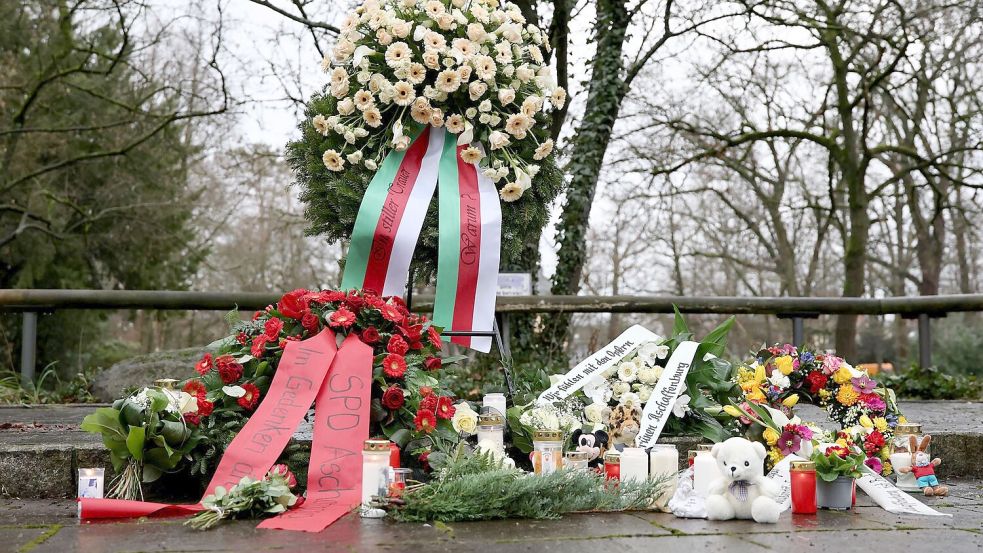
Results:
511 192
472 155
464 46
433 8
416 73
397 54
648 376
536 54
644 393
532 105
403 93
543 150
627 372
558 97
320 124
332 160
434 41
631 399
448 81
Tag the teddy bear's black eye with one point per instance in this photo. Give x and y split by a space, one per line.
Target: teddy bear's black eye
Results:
747 463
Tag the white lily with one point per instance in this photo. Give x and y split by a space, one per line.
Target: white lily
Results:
467 136
234 391
681 407
361 53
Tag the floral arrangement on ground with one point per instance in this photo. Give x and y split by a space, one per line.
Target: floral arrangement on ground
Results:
475 68
160 429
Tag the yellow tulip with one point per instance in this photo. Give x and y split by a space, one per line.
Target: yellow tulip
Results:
842 375
866 422
756 396
770 436
902 420
784 364
790 401
733 411
759 374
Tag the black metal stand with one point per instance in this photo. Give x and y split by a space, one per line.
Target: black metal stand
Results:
501 343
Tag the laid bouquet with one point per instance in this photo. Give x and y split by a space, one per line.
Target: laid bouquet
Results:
158 431
248 499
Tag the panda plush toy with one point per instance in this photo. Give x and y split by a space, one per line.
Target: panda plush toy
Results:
592 443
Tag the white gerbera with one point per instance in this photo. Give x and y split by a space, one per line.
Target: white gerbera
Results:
333 161
627 372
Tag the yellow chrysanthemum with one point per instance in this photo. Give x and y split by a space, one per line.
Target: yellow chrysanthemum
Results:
775 455
771 436
888 469
846 395
842 375
884 453
784 364
880 423
865 421
790 401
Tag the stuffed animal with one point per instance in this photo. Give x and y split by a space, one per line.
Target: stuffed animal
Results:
624 423
923 467
743 491
594 444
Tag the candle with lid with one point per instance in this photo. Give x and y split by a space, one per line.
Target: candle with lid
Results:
664 463
375 470
612 465
802 475
705 470
901 456
495 401
491 427
634 465
547 451
575 460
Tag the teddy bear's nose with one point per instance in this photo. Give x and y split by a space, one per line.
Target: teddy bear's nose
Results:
733 469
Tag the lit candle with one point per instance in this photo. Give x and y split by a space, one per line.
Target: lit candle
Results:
375 471
547 451
612 465
91 482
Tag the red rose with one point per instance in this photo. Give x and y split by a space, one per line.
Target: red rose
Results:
428 403
392 313
242 338
394 366
432 363
205 407
445 408
192 418
425 421
250 399
392 398
434 338
272 328
195 388
205 364
342 318
259 346
397 345
310 322
817 381
293 304
370 335
229 370
354 301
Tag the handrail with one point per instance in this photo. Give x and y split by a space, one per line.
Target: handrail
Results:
45 300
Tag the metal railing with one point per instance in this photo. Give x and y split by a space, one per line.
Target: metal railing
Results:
924 308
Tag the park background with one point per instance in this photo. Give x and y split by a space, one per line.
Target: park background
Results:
746 148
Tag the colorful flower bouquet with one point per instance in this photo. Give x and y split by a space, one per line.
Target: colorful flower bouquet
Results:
157 431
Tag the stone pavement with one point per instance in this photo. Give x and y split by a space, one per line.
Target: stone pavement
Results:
51 525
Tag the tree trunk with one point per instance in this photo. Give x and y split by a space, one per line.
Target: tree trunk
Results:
606 92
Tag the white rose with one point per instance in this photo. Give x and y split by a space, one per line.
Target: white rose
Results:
595 412
465 420
498 140
619 389
484 107
644 393
506 96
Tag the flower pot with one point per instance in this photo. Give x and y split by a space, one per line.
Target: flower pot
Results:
837 494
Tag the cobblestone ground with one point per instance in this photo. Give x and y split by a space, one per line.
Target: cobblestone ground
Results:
41 526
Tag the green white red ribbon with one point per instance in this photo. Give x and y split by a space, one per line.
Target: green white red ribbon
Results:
390 219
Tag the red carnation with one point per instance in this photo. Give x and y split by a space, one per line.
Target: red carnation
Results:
229 370
873 442
428 403
817 381
293 304
259 346
310 322
205 364
445 408
250 399
342 317
432 363
425 421
192 418
434 338
205 407
195 388
242 338
397 345
394 366
370 335
391 313
272 328
392 398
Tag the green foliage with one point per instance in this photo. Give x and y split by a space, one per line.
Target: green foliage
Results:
831 465
477 488
332 198
247 499
48 388
957 345
93 169
933 383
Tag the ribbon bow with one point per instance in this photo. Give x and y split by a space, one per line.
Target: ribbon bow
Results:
739 488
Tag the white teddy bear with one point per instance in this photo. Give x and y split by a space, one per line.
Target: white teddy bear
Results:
744 491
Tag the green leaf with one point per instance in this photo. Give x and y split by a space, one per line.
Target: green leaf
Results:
135 441
716 341
105 421
400 437
151 473
679 325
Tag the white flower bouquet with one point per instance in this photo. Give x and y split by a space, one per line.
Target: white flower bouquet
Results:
473 66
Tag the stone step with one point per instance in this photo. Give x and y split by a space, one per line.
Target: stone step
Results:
41 447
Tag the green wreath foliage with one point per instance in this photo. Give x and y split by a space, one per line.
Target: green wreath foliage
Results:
332 198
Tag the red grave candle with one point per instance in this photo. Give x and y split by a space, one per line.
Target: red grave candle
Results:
803 480
393 455
612 465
